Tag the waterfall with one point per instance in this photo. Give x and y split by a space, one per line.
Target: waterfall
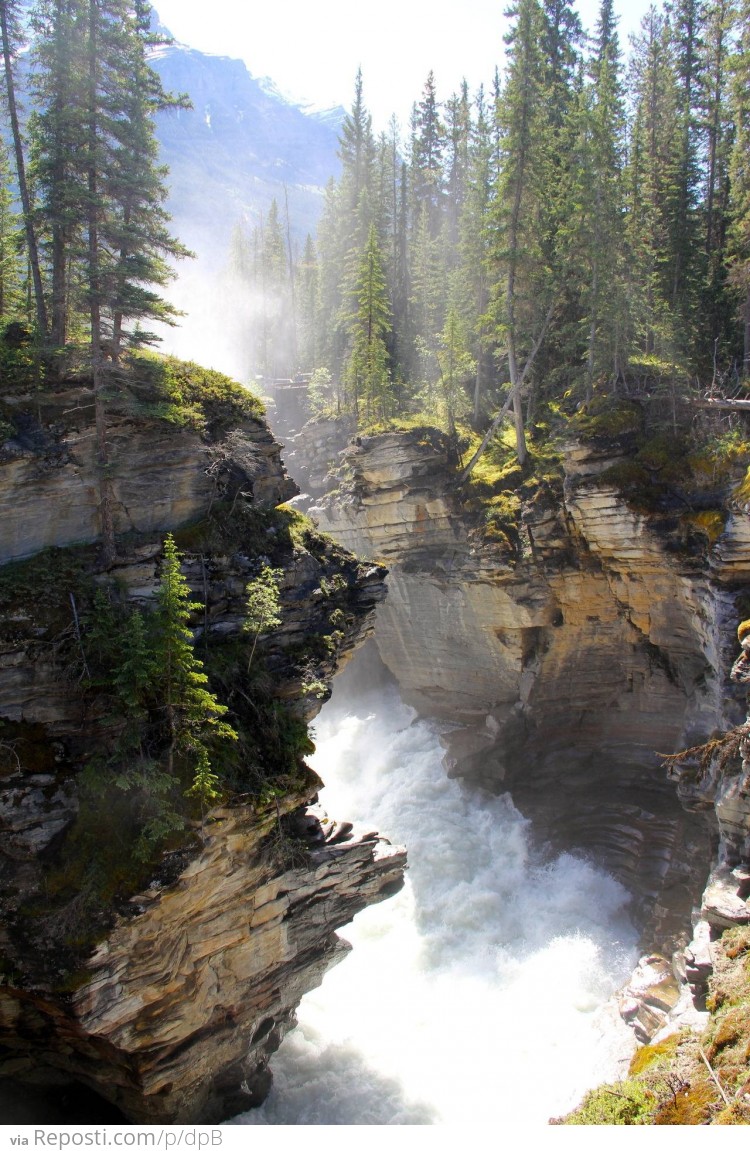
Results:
481 989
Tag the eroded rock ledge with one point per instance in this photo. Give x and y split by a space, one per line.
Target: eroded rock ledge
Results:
170 1001
191 992
570 664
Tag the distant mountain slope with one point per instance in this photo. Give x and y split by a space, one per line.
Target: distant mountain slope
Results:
237 149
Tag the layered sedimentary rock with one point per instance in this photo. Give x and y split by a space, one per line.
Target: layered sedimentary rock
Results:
182 1005
49 493
169 1002
569 659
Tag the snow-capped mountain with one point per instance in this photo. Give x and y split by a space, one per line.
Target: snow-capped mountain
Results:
242 144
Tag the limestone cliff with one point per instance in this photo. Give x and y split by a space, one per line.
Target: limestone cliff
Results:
164 980
570 652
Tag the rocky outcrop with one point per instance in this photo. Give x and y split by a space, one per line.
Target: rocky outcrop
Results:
181 1006
168 1000
569 659
49 495
654 996
724 779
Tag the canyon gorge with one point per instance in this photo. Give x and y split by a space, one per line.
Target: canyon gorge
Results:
558 656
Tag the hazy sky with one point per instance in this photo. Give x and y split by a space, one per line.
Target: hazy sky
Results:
312 50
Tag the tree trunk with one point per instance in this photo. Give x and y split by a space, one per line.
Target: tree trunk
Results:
41 309
513 397
106 501
521 449
292 292
591 359
60 270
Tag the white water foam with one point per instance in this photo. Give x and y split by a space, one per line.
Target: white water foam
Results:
476 992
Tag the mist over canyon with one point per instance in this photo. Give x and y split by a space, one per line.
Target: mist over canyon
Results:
343 704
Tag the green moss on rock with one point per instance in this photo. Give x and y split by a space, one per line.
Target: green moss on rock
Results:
624 1104
669 1082
190 396
608 418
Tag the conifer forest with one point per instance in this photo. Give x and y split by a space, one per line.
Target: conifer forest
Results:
548 276
579 230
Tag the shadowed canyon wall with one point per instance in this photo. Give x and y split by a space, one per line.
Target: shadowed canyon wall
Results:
569 653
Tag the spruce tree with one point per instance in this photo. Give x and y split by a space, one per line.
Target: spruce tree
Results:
458 139
356 151
716 108
368 373
654 148
428 281
525 200
11 242
192 713
687 31
275 340
136 226
456 369
101 189
57 129
739 237
10 35
473 285
592 235
562 37
427 147
309 308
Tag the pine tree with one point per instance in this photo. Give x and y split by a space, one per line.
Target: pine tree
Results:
309 308
10 12
593 235
368 374
687 29
523 283
715 105
192 713
456 369
427 146
458 140
11 241
473 285
739 237
356 151
651 187
136 227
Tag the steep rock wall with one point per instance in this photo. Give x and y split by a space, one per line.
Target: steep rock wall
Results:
172 1011
161 477
569 664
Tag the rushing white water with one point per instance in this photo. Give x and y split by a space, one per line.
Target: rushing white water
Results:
476 992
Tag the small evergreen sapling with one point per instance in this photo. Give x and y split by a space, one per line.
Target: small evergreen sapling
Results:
193 713
262 605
